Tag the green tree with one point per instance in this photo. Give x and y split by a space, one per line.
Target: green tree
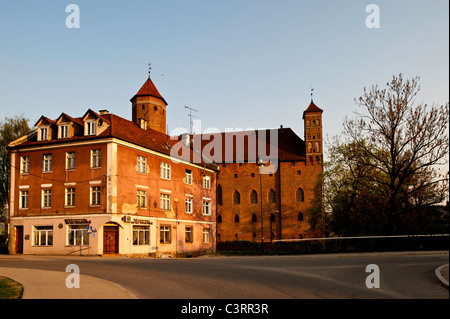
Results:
10 130
401 141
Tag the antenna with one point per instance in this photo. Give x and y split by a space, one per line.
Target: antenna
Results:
190 117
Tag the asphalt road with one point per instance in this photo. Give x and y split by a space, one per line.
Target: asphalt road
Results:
276 277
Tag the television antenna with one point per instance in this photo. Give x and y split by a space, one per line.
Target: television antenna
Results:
190 117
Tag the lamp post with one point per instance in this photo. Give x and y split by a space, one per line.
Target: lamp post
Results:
260 164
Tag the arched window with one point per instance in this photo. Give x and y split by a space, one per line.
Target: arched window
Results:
219 195
272 217
317 146
318 159
300 195
309 147
271 196
236 197
236 218
300 217
254 218
253 197
219 218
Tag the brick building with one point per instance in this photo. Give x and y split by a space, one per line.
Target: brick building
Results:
101 184
272 204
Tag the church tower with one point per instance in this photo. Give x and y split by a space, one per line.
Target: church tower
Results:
313 134
149 108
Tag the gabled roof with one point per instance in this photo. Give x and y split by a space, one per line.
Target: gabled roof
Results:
312 108
149 89
44 120
69 118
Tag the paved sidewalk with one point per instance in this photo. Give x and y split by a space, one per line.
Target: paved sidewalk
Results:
46 284
442 274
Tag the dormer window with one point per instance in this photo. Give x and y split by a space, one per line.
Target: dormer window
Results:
90 127
43 133
64 130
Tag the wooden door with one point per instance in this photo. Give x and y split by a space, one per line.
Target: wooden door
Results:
111 239
19 239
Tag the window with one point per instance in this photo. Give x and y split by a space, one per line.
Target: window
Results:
23 199
77 235
219 195
141 198
189 234
70 161
300 217
206 182
96 158
63 130
254 218
236 197
188 203
165 171
43 133
165 201
219 218
272 217
299 172
142 164
271 196
253 197
300 195
46 198
236 218
47 163
95 195
70 197
206 207
43 235
141 235
90 127
206 235
24 164
165 234
188 176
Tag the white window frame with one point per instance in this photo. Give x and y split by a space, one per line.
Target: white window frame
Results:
189 234
165 171
63 130
165 201
23 202
46 199
95 196
141 198
165 234
69 197
38 231
206 182
206 235
46 163
206 208
77 234
24 164
70 161
43 133
90 127
189 176
141 164
96 158
188 206
141 235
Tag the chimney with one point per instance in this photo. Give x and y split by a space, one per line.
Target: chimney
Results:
103 112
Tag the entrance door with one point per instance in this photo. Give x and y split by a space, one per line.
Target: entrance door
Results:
110 239
19 239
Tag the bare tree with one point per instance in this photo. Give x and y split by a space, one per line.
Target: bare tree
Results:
401 139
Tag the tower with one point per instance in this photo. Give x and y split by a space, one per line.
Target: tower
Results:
313 134
149 108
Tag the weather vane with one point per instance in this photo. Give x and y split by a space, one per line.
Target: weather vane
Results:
149 69
312 92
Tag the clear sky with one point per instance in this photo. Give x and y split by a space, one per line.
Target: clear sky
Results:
240 63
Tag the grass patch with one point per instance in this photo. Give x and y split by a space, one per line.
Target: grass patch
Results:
10 289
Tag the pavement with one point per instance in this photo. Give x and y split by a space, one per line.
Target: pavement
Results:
46 284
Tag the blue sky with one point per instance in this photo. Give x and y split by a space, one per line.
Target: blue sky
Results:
240 63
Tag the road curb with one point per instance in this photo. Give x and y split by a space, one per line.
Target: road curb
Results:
442 279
